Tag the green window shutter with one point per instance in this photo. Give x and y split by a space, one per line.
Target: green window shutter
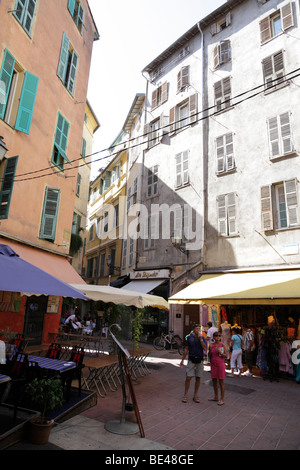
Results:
80 16
27 100
60 142
50 212
63 59
28 16
71 6
7 186
24 12
72 74
83 150
6 74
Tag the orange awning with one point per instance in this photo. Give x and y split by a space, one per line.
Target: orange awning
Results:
56 265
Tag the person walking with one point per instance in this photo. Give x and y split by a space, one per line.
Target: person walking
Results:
217 355
194 349
236 356
248 346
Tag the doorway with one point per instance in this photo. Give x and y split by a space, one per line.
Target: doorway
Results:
36 307
191 315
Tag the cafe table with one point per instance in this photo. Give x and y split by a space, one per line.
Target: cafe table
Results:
64 368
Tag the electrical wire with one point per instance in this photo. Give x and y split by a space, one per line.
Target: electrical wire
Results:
255 89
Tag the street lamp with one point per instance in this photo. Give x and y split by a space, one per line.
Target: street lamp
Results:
3 148
112 268
177 242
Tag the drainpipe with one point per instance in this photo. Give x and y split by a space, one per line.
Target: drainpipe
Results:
204 153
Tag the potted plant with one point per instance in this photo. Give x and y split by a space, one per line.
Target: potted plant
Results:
47 394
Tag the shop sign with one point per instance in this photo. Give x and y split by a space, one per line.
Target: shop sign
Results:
151 274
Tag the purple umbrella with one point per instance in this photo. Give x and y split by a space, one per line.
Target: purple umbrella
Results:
17 275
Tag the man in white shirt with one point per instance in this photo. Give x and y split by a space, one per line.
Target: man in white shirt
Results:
210 332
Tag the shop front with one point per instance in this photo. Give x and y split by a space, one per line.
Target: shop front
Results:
268 302
155 282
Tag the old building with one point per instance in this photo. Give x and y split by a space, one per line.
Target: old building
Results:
45 59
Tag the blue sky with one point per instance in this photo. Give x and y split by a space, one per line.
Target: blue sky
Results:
132 34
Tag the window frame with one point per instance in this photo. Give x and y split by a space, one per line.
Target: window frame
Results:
18 94
225 160
270 210
223 94
274 72
59 157
227 214
47 216
280 135
23 14
266 25
182 173
152 181
7 185
67 65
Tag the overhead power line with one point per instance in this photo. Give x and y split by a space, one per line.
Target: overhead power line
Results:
241 97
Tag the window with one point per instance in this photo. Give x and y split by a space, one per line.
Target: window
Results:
155 130
221 24
83 148
50 213
152 181
182 168
224 152
279 128
226 210
116 216
222 53
276 23
102 264
77 12
223 94
184 114
160 95
76 223
124 256
60 143
17 94
107 180
279 205
91 234
150 232
67 66
131 251
105 227
153 133
78 184
7 186
273 71
183 78
90 263
24 12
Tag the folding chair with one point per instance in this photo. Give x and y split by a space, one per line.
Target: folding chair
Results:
54 351
17 367
18 341
77 356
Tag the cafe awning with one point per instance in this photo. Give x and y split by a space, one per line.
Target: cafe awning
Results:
17 275
279 287
143 285
121 296
54 264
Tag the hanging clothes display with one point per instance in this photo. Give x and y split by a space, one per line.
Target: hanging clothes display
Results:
285 358
204 315
226 336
